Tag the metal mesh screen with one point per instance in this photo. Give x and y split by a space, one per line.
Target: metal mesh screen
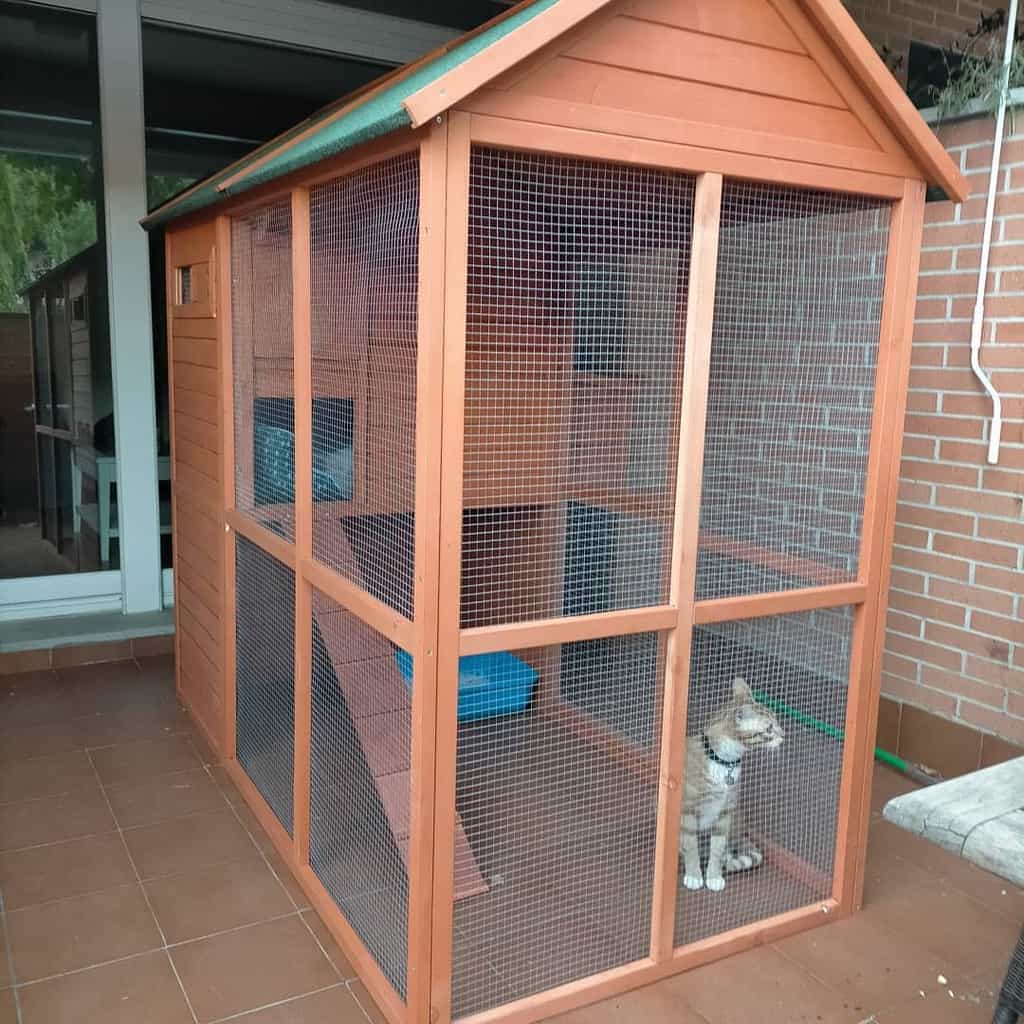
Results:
263 369
265 675
365 244
786 797
359 787
559 824
797 313
576 295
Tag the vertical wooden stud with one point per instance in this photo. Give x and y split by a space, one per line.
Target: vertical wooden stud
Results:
429 355
225 308
170 282
453 411
868 643
693 415
303 414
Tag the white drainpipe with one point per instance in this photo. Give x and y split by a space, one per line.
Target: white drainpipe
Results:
978 322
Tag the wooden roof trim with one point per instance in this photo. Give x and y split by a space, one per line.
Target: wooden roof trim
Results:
482 68
850 44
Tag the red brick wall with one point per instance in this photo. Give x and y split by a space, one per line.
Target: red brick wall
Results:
955 642
895 23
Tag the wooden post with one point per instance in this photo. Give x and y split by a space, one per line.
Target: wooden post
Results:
225 310
693 415
868 642
449 562
303 418
429 356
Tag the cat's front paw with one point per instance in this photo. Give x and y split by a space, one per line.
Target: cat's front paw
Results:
693 881
716 883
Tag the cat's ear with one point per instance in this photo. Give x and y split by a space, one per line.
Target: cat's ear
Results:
740 690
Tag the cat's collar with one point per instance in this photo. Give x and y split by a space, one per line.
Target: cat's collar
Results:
716 757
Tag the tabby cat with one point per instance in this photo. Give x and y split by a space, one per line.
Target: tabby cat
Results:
711 788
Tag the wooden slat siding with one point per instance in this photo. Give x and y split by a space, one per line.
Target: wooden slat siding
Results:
189 329
200 379
875 558
196 351
433 162
640 92
197 432
751 21
822 52
196 486
696 371
201 459
203 407
663 141
596 987
450 561
678 53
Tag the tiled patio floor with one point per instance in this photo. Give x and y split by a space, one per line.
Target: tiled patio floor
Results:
137 890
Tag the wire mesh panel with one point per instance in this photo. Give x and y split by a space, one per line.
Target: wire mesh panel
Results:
576 296
265 675
360 754
797 312
559 825
364 237
264 395
766 711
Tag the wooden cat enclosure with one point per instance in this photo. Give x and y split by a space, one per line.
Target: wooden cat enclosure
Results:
519 403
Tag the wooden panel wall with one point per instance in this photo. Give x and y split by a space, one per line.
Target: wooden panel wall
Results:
733 75
197 484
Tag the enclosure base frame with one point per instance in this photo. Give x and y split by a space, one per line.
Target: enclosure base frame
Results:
388 1001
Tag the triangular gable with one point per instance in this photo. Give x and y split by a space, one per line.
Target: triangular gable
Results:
789 79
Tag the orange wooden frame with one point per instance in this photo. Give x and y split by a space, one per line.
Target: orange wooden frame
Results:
434 634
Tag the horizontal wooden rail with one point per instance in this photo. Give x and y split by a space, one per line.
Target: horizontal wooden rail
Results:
777 561
514 636
643 972
281 549
383 618
754 606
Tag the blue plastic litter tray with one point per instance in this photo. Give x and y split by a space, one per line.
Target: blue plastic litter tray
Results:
489 684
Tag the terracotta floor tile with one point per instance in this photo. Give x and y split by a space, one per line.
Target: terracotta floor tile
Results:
54 819
762 986
187 844
365 1000
334 1006
212 899
887 783
81 931
251 968
164 796
46 776
865 963
295 891
938 1007
141 990
334 953
927 860
109 728
650 1005
129 762
43 740
8 1008
962 932
63 869
33 700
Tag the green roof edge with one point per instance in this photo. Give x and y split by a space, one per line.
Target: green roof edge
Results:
377 116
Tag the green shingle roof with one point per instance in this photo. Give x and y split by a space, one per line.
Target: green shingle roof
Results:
380 113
